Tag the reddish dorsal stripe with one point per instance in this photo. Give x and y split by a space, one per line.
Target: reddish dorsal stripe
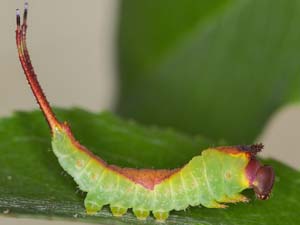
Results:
148 178
145 177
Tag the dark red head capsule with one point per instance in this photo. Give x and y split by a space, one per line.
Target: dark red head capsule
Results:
261 178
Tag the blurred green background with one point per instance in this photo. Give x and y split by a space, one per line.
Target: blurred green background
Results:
218 68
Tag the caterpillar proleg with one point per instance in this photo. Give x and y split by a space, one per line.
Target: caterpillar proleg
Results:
212 179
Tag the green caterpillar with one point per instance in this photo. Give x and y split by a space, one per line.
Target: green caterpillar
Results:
215 177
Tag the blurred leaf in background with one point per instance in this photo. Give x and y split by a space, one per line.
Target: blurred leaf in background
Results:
218 68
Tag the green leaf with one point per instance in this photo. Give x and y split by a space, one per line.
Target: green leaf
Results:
33 184
218 68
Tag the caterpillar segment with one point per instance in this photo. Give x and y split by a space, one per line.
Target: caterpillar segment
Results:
212 179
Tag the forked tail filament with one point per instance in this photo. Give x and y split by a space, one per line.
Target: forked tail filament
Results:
29 71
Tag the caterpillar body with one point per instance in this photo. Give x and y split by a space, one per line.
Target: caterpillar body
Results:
214 178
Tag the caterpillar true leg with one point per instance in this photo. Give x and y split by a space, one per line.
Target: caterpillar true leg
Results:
216 176
235 198
216 205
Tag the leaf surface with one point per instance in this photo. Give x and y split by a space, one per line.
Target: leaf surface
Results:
33 184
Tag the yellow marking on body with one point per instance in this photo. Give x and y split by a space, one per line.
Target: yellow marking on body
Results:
134 195
172 193
118 183
245 181
221 206
223 181
205 178
245 157
239 155
195 182
236 198
103 174
57 128
80 173
184 188
241 198
154 199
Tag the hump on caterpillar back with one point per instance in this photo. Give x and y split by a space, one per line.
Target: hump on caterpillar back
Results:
250 150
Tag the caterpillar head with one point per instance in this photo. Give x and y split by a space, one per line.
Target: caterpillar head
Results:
261 178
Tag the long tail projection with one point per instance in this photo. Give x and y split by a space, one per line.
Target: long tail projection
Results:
29 71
